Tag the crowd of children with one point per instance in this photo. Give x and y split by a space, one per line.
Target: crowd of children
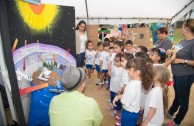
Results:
136 79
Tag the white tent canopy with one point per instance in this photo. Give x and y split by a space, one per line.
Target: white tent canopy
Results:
127 11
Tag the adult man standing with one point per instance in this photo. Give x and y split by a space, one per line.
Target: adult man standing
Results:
164 42
73 108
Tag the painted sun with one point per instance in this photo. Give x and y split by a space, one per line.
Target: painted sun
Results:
38 18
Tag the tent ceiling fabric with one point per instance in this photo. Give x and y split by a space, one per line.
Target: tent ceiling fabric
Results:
123 11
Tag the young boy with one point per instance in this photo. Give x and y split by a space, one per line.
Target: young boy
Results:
97 60
104 59
129 47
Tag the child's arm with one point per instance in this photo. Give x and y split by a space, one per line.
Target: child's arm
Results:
109 68
122 90
116 99
101 62
171 60
96 54
150 115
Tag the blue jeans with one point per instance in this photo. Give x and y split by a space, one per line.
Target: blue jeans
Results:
182 86
129 118
80 59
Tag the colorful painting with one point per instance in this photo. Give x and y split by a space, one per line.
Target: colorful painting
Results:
45 23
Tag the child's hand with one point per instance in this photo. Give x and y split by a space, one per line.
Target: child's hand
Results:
94 66
115 100
109 73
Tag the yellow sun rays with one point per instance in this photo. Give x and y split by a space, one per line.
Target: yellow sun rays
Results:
38 18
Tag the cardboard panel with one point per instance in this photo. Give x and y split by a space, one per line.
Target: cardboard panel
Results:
93 34
139 36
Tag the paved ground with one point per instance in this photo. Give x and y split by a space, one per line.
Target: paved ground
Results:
101 96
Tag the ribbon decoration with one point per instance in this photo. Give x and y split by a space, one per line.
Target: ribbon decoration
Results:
67 53
24 66
14 45
31 89
170 83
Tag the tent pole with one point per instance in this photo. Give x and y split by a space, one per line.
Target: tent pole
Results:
87 11
182 9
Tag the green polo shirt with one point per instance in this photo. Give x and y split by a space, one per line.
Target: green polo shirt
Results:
74 109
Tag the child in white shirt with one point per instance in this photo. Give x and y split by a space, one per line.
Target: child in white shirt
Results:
97 60
116 76
104 59
90 59
125 77
129 47
141 76
154 111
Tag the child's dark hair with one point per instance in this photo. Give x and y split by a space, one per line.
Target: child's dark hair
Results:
128 56
150 61
99 43
120 44
88 42
143 49
128 42
111 48
106 44
141 54
146 69
119 55
161 52
107 40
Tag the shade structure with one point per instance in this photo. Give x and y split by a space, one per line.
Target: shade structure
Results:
127 11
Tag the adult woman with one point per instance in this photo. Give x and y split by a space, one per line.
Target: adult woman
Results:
81 38
183 73
163 42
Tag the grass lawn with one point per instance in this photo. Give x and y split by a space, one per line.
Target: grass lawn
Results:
177 36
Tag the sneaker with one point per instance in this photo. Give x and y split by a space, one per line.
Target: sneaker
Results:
169 116
98 82
106 83
118 123
118 117
171 123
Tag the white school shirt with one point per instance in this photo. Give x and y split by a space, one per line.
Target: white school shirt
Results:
125 78
83 39
116 75
90 57
155 100
112 59
105 56
97 61
131 98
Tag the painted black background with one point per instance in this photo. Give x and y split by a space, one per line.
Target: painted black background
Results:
63 33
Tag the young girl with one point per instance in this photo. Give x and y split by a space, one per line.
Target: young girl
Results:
141 75
153 111
125 77
90 57
118 48
97 60
158 55
114 81
104 59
